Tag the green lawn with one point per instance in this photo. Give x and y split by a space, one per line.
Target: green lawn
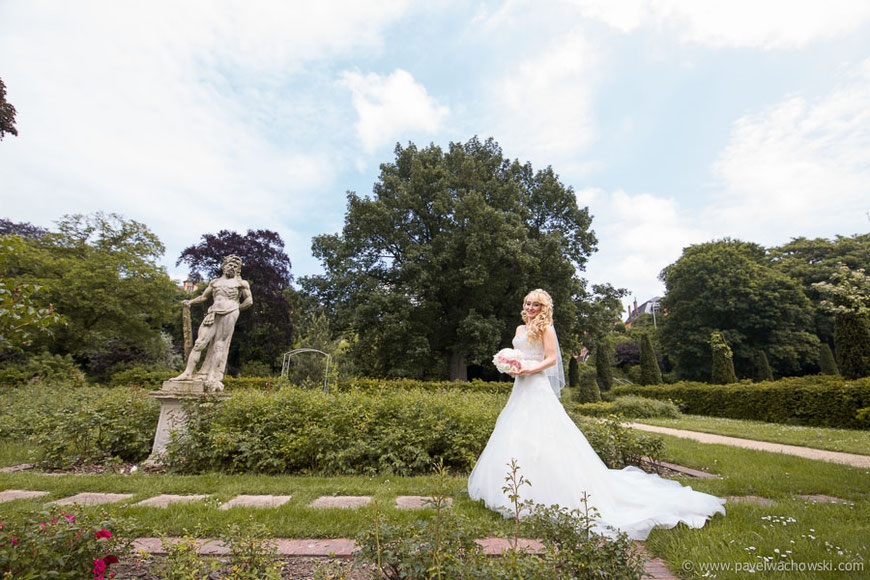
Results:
804 533
847 440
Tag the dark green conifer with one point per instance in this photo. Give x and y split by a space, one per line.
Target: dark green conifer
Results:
762 367
650 373
573 373
588 391
827 363
723 363
603 359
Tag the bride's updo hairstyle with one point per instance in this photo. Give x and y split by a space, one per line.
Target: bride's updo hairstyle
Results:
539 323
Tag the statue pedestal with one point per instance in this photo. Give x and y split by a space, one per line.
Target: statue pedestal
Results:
172 397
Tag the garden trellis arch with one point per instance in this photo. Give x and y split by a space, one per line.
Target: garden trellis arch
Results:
285 364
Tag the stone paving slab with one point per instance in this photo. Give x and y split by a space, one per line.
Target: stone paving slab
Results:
756 499
257 501
852 459
344 548
165 500
689 471
415 502
93 498
341 501
13 494
15 468
818 498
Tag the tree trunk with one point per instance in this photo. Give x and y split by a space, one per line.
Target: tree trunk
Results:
458 368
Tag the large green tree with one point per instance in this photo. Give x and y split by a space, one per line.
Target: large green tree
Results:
429 271
7 114
810 261
730 285
847 297
100 273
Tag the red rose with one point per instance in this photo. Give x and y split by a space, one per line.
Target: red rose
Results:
111 559
104 534
99 567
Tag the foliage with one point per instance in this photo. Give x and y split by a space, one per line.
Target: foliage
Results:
182 561
587 391
723 366
56 544
22 229
264 332
76 425
827 363
628 406
650 374
603 363
573 373
762 368
44 368
852 342
819 400
7 114
847 296
21 315
731 286
428 270
252 557
101 273
308 369
444 546
300 431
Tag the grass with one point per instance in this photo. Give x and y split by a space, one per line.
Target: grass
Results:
846 440
794 534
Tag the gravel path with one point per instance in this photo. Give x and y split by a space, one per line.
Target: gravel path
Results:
852 459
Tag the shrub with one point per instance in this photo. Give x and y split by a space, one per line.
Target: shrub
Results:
827 363
141 377
723 364
650 374
631 407
299 431
588 391
45 368
74 425
603 361
818 400
852 343
573 373
762 367
57 544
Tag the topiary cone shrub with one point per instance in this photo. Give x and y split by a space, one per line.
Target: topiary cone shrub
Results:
603 359
650 374
762 368
723 363
587 391
573 373
827 363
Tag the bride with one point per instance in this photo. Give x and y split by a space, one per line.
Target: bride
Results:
554 456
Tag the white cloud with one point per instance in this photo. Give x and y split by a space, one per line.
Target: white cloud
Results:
543 107
767 24
800 167
638 235
390 107
186 116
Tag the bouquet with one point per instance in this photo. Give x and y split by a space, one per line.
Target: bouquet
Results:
508 360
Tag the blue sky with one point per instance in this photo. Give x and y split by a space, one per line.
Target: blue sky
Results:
676 122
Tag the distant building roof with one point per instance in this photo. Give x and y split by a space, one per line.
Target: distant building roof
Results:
645 308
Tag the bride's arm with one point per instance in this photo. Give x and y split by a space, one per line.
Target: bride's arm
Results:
549 339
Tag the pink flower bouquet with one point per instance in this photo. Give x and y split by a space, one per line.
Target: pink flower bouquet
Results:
508 360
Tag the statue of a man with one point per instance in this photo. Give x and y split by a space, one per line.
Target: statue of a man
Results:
231 294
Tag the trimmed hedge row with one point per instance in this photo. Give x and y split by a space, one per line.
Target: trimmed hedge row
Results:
154 380
630 407
818 400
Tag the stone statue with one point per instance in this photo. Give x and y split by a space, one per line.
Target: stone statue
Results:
231 295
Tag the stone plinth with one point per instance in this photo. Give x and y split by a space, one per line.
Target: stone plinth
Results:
172 397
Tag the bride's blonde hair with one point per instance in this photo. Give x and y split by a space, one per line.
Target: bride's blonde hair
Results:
539 323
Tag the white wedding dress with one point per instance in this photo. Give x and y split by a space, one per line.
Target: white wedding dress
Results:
553 454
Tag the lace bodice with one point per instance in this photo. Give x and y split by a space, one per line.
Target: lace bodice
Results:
534 351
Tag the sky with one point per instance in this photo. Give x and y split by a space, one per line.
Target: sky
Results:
675 121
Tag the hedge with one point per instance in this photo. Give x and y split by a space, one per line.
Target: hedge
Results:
817 400
154 380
